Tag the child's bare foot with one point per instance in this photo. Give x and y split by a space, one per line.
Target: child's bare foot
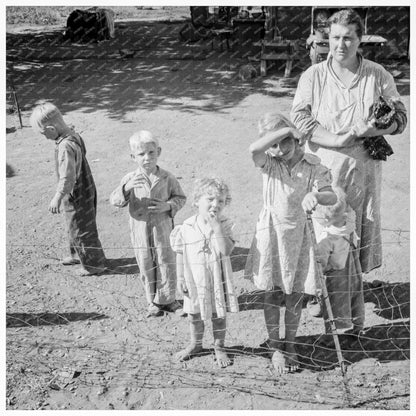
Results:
189 352
84 272
69 261
221 356
292 359
285 362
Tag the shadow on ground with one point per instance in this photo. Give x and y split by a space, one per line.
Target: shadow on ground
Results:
145 67
16 320
391 300
122 266
387 342
238 258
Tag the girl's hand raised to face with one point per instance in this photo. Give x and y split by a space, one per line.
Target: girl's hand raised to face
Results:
296 134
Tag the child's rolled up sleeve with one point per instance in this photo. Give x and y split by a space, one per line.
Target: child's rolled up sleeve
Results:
177 197
323 178
67 169
118 197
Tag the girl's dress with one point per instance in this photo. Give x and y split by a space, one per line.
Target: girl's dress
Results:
281 252
207 273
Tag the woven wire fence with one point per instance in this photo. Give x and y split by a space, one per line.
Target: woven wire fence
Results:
113 345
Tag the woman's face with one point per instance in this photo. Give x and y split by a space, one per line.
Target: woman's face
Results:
343 42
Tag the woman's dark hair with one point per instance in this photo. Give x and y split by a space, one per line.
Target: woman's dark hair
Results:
347 17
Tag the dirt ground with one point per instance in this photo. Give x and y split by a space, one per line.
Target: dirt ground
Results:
84 343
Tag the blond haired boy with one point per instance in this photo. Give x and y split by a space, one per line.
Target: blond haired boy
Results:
154 196
76 190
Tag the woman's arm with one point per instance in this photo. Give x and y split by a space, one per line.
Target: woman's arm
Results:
325 138
389 90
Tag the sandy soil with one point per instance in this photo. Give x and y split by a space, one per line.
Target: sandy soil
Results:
84 343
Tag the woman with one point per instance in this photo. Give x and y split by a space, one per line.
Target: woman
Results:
332 105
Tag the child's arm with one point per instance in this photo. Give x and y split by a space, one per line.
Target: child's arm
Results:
258 148
177 198
180 275
120 196
324 196
67 172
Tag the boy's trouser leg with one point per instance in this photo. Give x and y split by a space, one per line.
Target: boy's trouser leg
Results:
273 300
148 272
83 237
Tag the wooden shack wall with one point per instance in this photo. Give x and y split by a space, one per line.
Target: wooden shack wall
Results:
393 23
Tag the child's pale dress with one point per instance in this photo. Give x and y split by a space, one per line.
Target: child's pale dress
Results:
208 274
281 253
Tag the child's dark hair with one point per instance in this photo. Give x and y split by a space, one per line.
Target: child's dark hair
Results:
217 185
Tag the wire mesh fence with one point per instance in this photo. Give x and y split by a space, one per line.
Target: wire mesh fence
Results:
108 343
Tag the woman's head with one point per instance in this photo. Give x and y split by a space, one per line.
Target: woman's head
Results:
345 33
346 17
286 147
211 195
47 119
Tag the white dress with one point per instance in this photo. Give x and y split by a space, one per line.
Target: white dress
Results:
207 273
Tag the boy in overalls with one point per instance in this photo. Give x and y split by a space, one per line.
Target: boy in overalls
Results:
76 190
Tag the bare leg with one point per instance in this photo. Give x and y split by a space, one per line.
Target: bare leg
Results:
272 301
196 327
219 329
287 361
